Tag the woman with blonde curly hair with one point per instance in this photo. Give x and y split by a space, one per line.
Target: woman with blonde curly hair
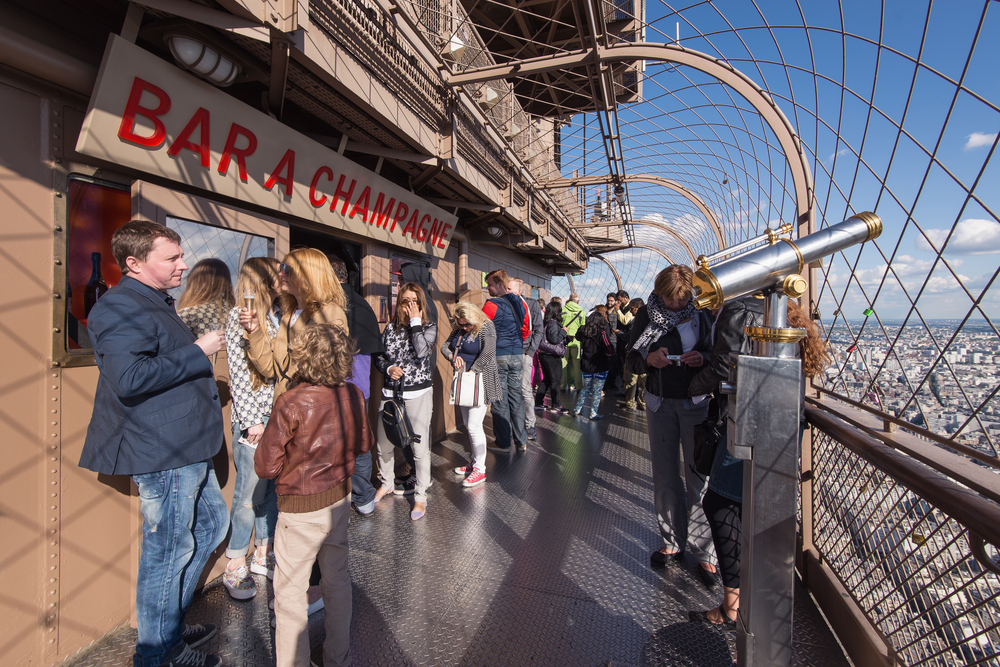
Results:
318 429
312 294
472 346
723 502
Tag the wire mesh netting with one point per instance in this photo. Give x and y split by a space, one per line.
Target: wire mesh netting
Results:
906 563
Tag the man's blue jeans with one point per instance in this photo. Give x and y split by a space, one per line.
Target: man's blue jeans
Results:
508 412
255 502
184 518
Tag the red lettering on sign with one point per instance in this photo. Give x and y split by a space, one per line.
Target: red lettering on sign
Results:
322 171
183 140
341 193
126 131
380 215
285 164
241 153
411 224
421 234
362 204
432 235
401 212
444 235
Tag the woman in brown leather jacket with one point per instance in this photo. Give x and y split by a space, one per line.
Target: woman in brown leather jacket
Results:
315 432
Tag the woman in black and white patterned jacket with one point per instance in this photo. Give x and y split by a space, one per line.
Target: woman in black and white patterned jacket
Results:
409 341
472 346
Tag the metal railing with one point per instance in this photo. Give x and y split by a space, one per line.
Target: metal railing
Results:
899 537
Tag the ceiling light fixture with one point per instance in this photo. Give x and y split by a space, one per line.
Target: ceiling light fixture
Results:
202 60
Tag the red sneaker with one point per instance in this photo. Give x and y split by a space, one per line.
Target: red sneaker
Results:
475 478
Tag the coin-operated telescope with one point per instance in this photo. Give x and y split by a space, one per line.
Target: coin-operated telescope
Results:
765 390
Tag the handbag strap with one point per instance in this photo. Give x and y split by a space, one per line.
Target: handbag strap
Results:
397 389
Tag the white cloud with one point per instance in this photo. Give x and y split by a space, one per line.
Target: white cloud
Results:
971 237
842 151
979 140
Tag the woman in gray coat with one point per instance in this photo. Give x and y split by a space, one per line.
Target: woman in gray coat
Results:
472 346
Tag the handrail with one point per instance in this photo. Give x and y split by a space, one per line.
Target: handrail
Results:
965 450
967 472
977 514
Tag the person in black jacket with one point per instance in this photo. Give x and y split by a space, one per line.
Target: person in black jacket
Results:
551 380
363 325
596 351
670 341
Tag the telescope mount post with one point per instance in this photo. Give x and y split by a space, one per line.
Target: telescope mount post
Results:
763 430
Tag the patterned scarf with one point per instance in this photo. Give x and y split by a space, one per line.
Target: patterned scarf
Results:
661 321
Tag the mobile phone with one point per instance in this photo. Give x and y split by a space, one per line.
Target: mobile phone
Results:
674 357
244 441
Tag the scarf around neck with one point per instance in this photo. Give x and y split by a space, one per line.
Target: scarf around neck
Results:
661 321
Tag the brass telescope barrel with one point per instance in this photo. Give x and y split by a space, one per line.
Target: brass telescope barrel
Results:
771 265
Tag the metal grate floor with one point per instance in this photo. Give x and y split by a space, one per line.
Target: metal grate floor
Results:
545 564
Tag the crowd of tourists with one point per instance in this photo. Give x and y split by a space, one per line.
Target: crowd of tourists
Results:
303 348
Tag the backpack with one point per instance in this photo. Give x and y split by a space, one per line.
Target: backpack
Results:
395 422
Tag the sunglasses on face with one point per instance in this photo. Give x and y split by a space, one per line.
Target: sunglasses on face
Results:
283 268
465 325
405 301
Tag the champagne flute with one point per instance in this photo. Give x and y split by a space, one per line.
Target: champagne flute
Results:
248 299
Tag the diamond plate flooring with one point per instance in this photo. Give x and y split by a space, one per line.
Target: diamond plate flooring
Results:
545 564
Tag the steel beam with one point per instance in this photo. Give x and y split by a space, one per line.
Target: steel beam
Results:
648 223
719 69
618 278
713 222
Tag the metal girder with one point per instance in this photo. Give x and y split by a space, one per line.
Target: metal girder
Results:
648 223
658 251
719 69
713 222
618 279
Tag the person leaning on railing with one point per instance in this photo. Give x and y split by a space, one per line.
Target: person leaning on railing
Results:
723 502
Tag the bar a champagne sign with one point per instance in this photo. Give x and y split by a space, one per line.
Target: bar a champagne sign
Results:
151 116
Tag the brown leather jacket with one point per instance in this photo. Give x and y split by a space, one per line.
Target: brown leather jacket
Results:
310 443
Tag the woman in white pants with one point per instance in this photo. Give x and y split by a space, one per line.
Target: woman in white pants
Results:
472 346
409 342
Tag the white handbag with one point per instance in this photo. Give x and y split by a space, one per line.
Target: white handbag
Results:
467 389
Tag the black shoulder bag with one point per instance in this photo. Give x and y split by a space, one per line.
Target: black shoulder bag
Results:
395 422
707 437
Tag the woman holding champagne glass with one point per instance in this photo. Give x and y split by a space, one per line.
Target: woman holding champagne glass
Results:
255 503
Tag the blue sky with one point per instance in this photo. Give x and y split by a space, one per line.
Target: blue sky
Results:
881 132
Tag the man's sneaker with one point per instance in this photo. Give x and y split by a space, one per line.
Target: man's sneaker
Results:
314 607
596 417
186 656
532 433
464 470
475 478
263 565
404 487
196 635
239 583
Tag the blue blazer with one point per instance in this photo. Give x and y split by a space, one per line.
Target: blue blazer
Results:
157 404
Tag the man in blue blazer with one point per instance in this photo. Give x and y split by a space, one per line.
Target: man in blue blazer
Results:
157 418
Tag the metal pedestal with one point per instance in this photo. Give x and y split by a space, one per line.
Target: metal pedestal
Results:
764 431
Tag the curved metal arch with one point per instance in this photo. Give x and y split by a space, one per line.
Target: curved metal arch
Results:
618 278
642 178
758 98
635 245
663 228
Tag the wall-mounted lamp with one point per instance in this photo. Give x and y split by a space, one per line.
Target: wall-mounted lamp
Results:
620 194
487 98
511 131
453 49
495 231
549 260
202 60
